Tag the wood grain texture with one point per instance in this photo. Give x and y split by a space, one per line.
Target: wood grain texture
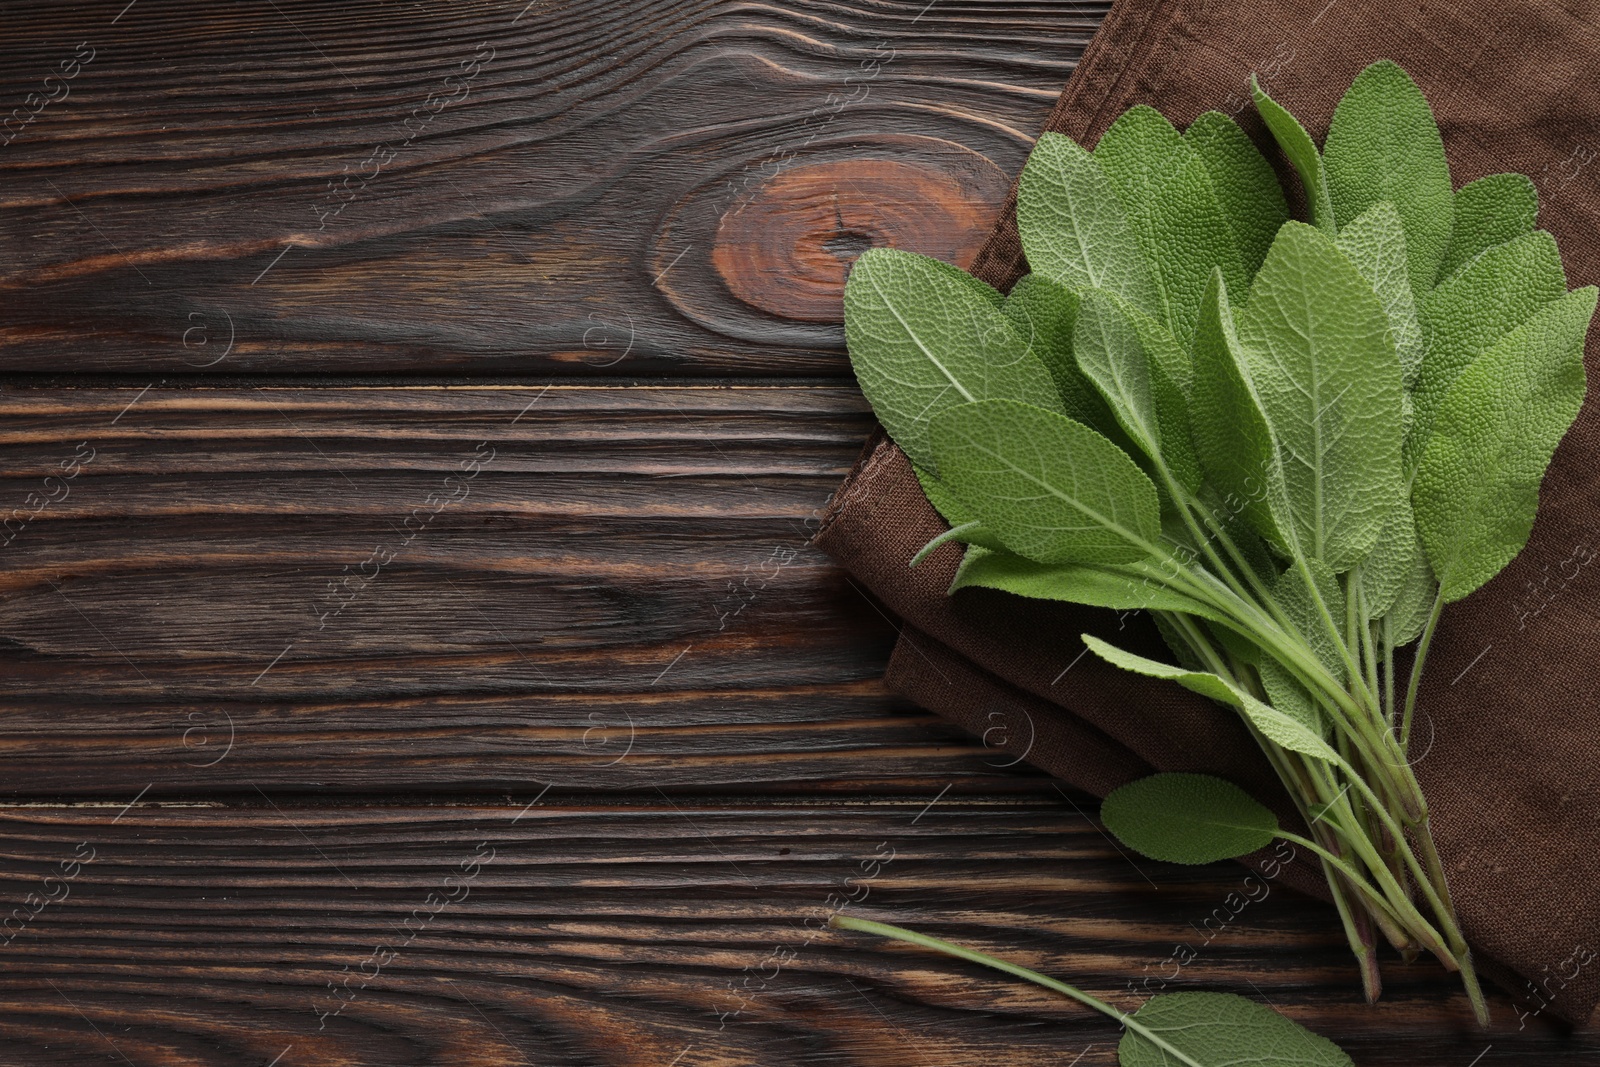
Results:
428 587
485 187
649 932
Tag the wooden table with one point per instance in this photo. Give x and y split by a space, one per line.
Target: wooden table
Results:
413 420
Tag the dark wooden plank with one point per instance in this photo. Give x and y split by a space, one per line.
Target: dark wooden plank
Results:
494 187
651 932
617 590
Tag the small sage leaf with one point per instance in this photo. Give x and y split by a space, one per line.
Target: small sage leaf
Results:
1223 1030
1477 487
1051 489
1125 588
1188 818
1232 437
1495 293
921 340
1301 152
1488 212
1376 243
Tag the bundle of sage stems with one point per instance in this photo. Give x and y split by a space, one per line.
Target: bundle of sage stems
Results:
1292 443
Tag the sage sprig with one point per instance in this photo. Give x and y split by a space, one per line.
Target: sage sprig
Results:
1292 442
1192 1029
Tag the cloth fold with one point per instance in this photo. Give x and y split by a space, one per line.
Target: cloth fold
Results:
1510 749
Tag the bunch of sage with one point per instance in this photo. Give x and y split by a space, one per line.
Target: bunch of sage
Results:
1291 442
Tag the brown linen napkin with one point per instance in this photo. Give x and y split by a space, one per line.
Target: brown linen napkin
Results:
1509 736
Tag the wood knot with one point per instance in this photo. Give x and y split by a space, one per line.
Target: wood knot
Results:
788 246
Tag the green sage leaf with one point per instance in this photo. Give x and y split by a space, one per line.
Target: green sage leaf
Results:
1124 588
1408 615
922 341
1286 693
1477 306
1232 437
1301 152
1245 184
1188 818
1376 243
1224 1030
1174 210
1385 572
1073 227
1488 212
1317 341
1044 314
1051 489
1383 144
1301 605
1477 487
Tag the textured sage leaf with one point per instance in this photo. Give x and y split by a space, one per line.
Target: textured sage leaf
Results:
1472 310
1176 215
1073 227
943 500
1232 437
1325 371
1134 364
1188 818
1488 212
1125 588
1287 730
1044 314
1051 489
1376 243
1286 693
1383 144
1245 183
1301 151
1223 1030
1384 572
921 341
1477 486
1282 729
1295 596
1408 615
1173 636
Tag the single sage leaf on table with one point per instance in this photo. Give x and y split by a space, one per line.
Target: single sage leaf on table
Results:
1376 243
1383 144
1467 314
1188 818
1317 342
1050 489
1245 184
1073 227
1173 208
1477 487
922 341
1224 1030
1124 588
1302 154
1488 212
